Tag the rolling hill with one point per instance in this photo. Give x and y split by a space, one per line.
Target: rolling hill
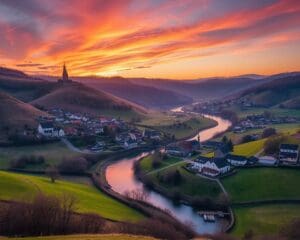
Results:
147 96
14 114
283 92
22 86
76 97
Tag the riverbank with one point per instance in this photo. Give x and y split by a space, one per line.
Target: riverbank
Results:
100 181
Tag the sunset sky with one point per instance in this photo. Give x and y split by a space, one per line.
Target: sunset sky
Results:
180 39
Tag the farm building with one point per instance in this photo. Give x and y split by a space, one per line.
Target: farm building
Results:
289 153
211 166
236 160
267 160
48 129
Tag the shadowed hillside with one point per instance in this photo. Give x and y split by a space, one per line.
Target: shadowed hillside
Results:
22 86
282 91
147 96
76 97
15 114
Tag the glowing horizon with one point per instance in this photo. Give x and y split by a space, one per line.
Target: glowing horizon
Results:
154 38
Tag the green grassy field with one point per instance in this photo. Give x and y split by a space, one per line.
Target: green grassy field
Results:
191 184
87 237
180 127
266 219
52 152
263 184
250 148
19 186
280 128
146 163
276 111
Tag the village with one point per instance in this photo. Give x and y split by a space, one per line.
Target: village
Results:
214 158
94 134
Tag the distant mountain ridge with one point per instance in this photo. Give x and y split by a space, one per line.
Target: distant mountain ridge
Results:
282 90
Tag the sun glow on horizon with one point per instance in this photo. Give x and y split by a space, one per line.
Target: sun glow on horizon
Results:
165 39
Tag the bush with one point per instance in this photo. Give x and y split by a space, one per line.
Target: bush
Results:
22 161
247 138
268 132
47 215
172 177
73 165
272 144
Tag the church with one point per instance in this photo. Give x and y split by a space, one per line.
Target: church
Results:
65 77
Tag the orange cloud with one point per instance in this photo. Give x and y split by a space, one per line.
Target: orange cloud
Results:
96 37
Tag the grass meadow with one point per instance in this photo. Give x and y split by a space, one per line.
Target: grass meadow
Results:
24 187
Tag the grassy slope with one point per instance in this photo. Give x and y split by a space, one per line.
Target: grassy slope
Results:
15 114
263 184
52 152
280 128
264 219
77 97
87 237
165 123
191 184
250 148
18 186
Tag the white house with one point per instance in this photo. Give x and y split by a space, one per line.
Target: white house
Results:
267 160
130 143
236 160
47 129
289 153
212 166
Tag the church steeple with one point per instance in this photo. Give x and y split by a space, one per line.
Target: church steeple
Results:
65 76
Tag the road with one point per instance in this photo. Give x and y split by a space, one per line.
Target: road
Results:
171 165
75 149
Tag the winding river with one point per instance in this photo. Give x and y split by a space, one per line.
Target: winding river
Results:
120 177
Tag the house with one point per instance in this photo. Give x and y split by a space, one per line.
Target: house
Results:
173 149
267 160
212 166
47 129
289 153
152 134
236 160
130 143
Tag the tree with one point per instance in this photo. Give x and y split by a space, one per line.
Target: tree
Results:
74 165
272 144
268 132
52 173
230 145
247 138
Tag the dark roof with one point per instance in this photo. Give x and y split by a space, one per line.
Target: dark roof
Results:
220 162
253 159
203 159
47 124
288 155
289 146
213 144
236 157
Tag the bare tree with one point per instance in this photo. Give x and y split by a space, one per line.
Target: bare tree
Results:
53 173
139 195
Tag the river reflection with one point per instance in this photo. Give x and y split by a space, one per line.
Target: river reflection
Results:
121 178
